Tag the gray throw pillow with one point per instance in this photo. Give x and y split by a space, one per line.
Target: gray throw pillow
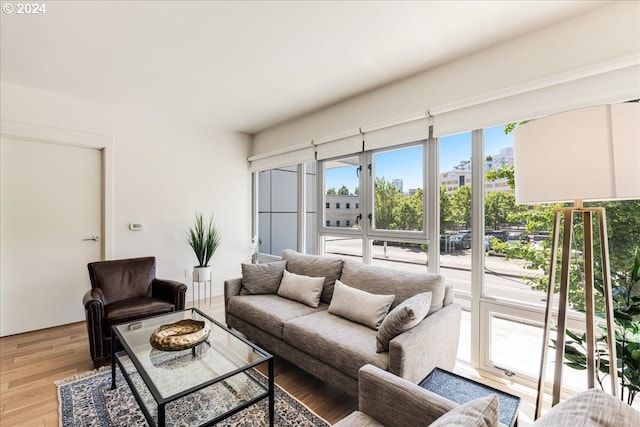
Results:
402 318
304 289
262 278
359 306
482 412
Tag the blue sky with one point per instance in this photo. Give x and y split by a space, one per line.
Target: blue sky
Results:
406 164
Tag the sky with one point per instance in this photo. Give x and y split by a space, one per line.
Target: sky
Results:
406 164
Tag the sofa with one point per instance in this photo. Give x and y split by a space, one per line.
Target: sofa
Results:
386 400
328 316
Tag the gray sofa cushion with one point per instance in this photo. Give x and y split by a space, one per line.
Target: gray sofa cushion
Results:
403 284
315 266
268 312
262 278
341 343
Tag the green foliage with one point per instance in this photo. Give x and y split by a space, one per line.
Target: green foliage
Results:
204 239
386 198
331 191
506 172
446 215
343 191
461 206
395 210
627 335
500 209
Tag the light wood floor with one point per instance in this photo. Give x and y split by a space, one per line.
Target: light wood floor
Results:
31 362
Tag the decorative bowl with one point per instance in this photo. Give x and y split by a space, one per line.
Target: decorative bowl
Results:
181 335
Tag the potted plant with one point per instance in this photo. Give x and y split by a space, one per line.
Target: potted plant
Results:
204 239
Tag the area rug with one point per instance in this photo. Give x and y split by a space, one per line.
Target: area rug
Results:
87 400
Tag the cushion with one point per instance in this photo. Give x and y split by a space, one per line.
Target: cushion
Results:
304 289
359 306
402 318
315 266
482 412
593 408
345 345
403 284
262 278
268 312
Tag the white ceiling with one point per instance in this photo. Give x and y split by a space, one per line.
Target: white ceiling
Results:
247 65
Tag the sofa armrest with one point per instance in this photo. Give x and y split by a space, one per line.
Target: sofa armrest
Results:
170 291
394 401
232 287
432 343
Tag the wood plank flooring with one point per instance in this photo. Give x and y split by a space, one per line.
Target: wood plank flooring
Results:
31 362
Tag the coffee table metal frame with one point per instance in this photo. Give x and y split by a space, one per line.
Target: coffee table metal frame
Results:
118 336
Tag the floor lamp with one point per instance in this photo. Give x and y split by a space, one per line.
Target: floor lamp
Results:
590 154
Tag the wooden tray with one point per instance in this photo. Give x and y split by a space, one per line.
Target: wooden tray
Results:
179 336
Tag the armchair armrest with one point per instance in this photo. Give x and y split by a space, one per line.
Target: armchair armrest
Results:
394 401
433 342
93 302
232 287
171 291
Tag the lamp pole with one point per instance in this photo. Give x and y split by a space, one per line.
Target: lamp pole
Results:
566 215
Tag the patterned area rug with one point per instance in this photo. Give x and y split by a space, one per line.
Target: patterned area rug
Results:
87 400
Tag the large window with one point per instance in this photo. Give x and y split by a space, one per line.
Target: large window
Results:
377 200
378 207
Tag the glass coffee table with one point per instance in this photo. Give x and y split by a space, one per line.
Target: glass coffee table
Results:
198 386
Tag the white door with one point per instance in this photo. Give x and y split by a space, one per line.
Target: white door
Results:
50 204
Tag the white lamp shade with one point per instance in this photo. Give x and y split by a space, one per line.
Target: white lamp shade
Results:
587 154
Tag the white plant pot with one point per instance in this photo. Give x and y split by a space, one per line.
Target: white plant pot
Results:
201 274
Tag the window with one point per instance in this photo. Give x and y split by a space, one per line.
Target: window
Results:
326 205
394 212
280 222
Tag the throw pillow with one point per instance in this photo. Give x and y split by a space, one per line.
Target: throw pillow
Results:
262 278
304 289
482 412
315 266
359 306
402 318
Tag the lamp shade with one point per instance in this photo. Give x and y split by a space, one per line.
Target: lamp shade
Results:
587 154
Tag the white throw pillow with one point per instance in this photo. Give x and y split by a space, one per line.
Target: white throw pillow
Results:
304 289
482 412
359 306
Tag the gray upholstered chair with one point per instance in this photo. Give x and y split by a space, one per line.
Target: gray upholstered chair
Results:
387 400
122 291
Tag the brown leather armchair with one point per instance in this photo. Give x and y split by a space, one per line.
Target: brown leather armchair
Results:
122 291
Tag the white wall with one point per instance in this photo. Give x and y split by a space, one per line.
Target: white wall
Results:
163 173
561 51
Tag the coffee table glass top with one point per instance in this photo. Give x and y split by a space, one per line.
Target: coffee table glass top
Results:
172 373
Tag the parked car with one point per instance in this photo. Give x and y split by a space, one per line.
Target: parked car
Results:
498 234
517 236
461 241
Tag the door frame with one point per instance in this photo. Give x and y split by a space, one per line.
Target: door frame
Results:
104 143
